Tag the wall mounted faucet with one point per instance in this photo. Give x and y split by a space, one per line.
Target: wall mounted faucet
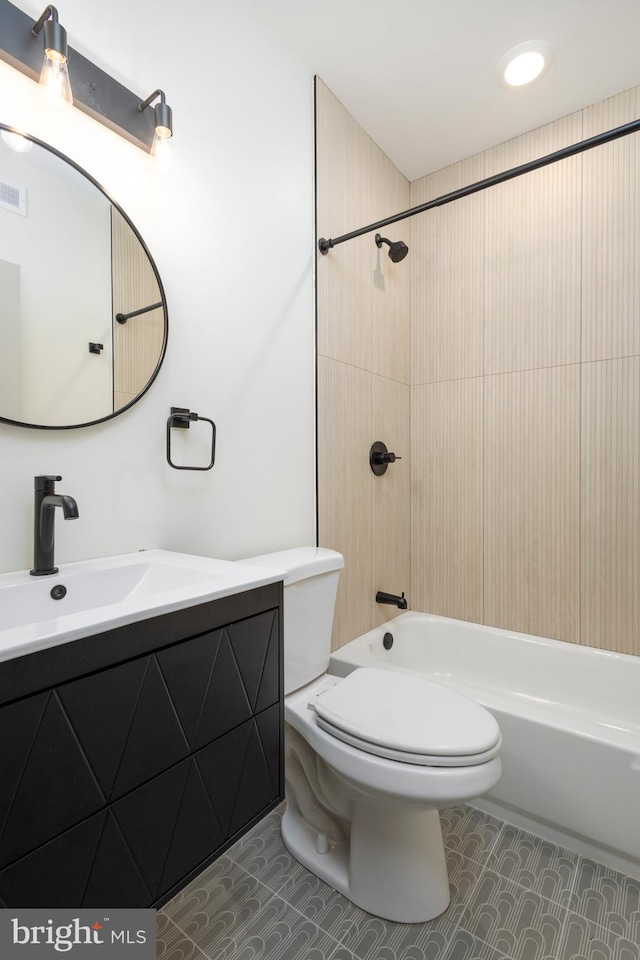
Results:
400 602
45 502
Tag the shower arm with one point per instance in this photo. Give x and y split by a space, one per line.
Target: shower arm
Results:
634 127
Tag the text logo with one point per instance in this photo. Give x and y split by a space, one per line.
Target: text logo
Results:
103 935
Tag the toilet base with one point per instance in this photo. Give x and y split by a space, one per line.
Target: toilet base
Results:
394 866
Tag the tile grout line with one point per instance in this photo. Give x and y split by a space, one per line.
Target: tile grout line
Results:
567 908
564 850
186 936
477 883
259 882
291 905
463 929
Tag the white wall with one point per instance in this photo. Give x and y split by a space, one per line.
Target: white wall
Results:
230 228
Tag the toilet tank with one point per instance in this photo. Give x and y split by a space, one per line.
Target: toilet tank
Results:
310 587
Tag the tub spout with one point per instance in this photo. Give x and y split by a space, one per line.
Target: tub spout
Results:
400 602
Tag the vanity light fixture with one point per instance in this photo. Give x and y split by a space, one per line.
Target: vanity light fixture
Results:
94 91
163 126
54 76
525 62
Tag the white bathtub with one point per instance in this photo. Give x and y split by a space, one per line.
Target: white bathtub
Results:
570 722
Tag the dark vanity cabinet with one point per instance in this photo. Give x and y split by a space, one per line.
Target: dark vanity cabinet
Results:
131 759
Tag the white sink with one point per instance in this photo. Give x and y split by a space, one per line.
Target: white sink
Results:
110 592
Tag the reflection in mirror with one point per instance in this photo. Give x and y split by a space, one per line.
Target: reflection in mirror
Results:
69 262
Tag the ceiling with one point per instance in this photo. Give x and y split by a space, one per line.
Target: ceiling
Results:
421 77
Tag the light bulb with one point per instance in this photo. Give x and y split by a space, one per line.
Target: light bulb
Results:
162 149
55 78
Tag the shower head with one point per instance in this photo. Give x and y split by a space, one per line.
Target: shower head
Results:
397 249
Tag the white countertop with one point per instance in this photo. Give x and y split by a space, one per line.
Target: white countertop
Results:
111 592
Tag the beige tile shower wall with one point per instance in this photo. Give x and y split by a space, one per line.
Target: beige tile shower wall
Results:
446 498
137 344
532 255
526 477
363 370
611 247
611 504
532 502
345 488
447 282
343 185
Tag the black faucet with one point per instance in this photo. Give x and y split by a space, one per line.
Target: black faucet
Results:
400 602
46 500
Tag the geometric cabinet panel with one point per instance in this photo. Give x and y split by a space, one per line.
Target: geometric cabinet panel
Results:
217 681
187 668
57 788
101 708
118 785
126 723
255 645
240 770
225 702
18 725
169 826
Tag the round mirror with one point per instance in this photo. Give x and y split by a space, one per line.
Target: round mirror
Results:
83 316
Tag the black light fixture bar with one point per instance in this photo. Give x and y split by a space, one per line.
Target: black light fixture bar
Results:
123 317
94 91
634 127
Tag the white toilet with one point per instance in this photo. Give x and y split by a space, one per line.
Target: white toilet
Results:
370 758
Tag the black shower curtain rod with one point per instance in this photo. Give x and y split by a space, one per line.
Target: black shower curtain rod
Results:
123 317
325 245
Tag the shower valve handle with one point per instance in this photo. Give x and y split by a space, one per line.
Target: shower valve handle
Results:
385 457
380 458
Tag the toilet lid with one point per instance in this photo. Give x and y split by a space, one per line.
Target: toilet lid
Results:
407 717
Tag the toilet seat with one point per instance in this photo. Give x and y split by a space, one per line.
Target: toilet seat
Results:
407 718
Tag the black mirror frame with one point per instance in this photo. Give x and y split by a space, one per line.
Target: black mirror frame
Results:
116 413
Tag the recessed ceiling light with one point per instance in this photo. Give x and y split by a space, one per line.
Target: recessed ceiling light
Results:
525 62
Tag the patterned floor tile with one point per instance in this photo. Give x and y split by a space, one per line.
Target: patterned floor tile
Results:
261 840
171 943
584 940
534 863
218 905
371 938
608 898
319 902
509 896
464 946
216 872
464 876
266 858
471 832
341 953
277 932
519 923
